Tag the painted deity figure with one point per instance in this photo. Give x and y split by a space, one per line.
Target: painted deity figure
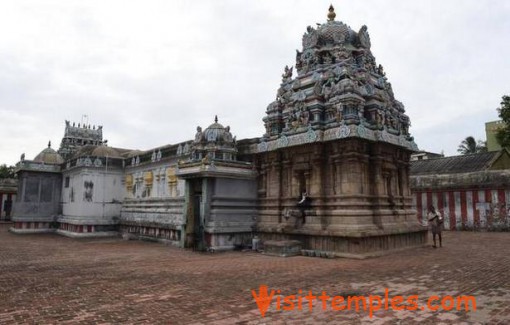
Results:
378 119
327 59
363 37
327 88
287 74
305 117
198 135
310 38
299 61
380 70
228 135
339 113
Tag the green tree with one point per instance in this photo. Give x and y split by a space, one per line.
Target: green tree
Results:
6 171
503 135
470 145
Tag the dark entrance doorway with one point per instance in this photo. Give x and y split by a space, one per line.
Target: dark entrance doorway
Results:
8 208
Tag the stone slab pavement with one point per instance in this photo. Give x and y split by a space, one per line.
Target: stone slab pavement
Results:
47 279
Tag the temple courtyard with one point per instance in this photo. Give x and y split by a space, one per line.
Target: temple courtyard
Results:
53 279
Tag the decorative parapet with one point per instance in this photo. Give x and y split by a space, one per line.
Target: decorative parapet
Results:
37 166
156 156
340 132
204 168
93 162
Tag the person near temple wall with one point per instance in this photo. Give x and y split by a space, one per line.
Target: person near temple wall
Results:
436 225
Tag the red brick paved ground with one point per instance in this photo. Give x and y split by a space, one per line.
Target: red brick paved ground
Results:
51 279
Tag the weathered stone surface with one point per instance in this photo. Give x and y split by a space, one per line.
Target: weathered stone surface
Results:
38 196
337 133
284 248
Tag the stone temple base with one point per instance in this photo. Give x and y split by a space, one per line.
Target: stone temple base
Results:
227 241
284 248
32 227
152 232
76 227
31 231
352 247
130 236
95 234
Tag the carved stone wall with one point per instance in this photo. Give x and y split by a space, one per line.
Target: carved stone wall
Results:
337 134
358 189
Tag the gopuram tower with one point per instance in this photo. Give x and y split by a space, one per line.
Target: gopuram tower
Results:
334 162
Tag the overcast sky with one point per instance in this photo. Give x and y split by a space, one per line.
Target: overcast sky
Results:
151 71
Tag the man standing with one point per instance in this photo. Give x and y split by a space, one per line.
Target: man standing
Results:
436 225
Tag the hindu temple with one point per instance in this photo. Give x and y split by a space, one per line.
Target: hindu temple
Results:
330 173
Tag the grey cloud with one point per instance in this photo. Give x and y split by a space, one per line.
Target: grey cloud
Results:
150 72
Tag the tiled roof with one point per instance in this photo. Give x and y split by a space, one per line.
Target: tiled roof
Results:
456 164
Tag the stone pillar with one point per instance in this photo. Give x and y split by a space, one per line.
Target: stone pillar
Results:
295 184
364 172
402 184
316 116
376 177
276 171
406 176
286 179
340 175
316 187
205 205
23 189
187 213
39 191
276 184
332 162
262 188
350 176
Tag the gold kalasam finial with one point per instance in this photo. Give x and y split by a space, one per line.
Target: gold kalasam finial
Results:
331 13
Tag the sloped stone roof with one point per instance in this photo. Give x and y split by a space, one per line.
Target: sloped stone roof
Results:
104 151
456 164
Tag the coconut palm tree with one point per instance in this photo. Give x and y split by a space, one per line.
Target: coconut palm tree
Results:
470 145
